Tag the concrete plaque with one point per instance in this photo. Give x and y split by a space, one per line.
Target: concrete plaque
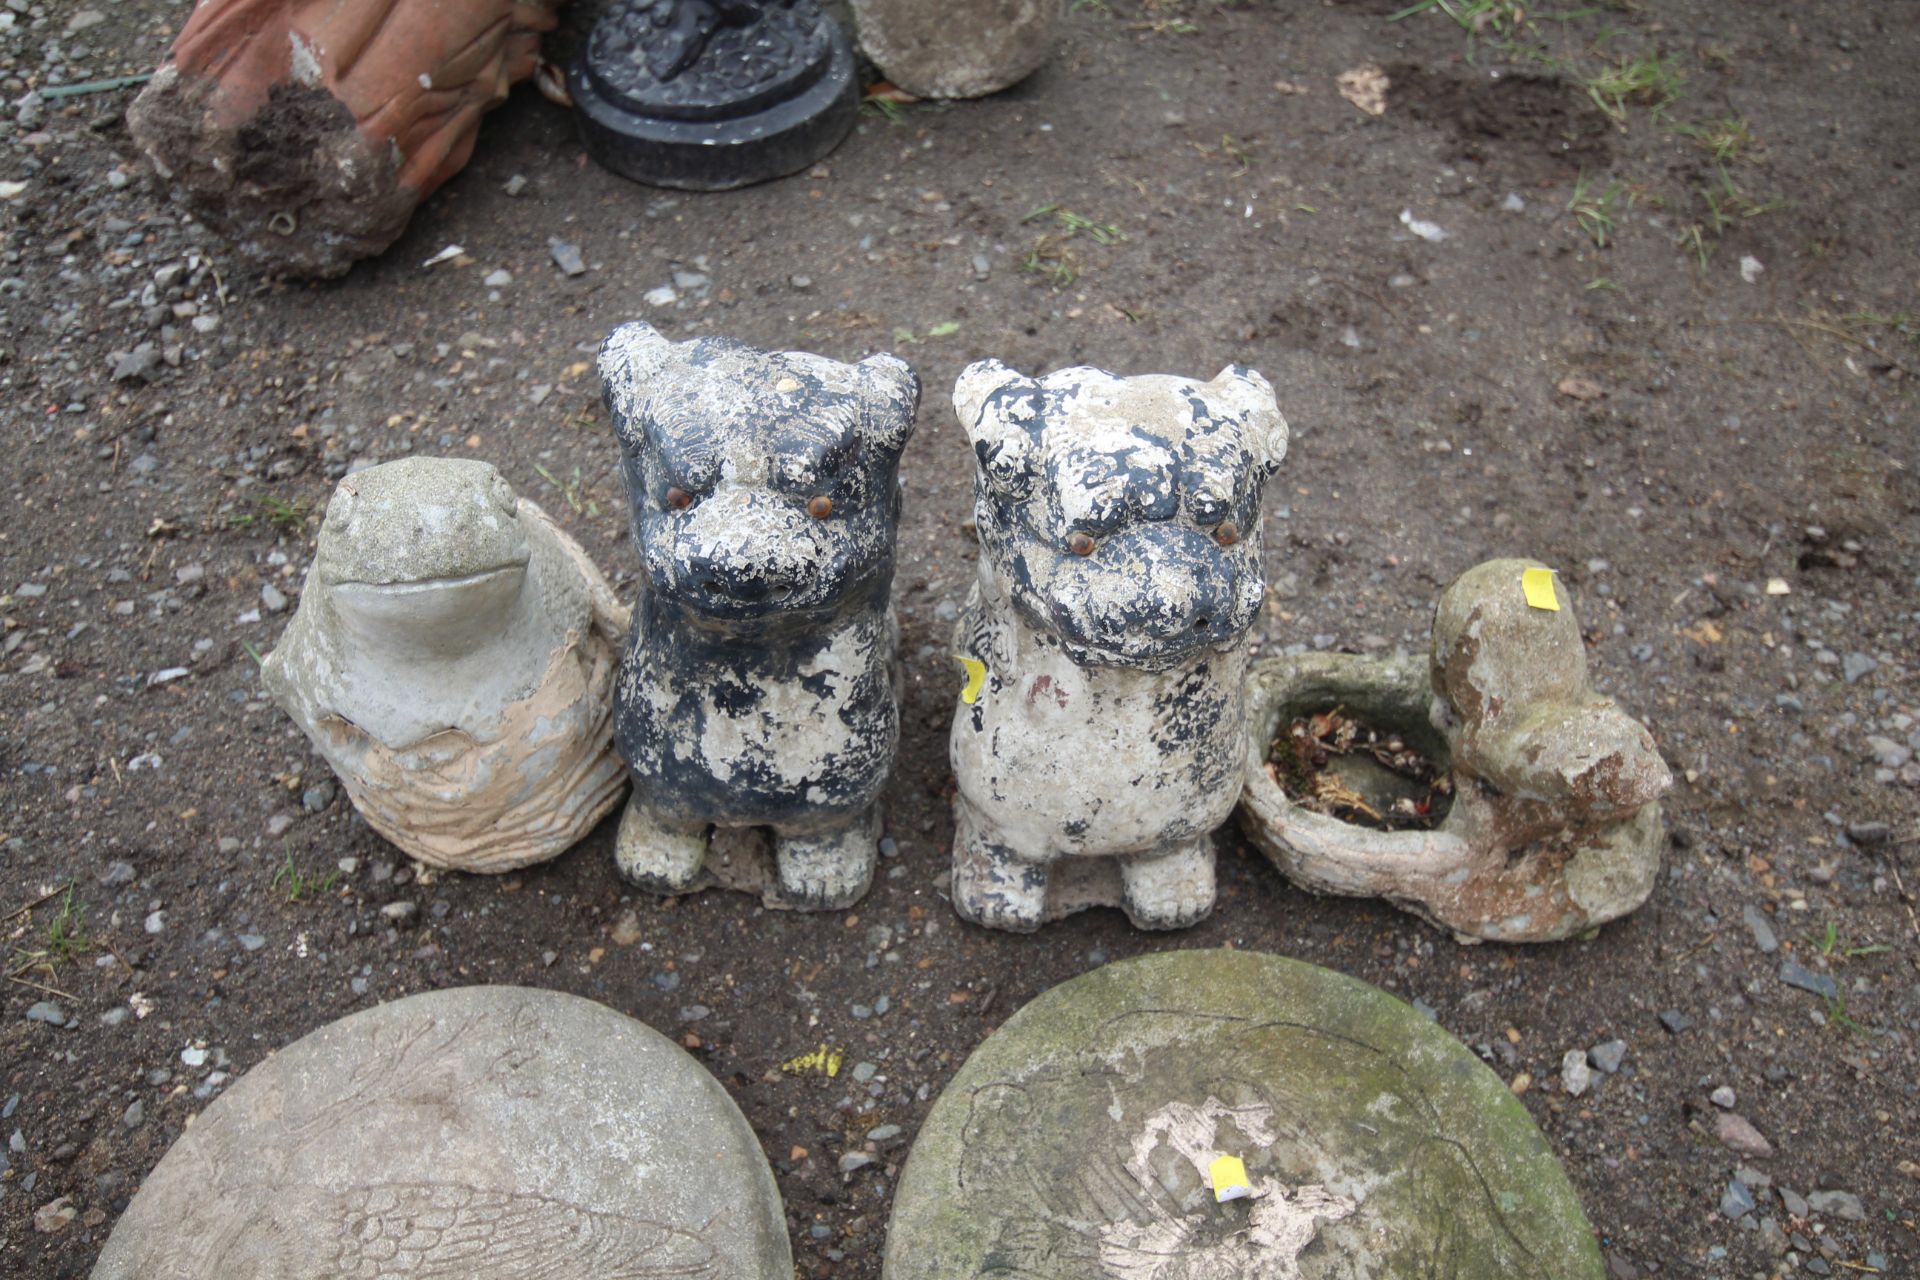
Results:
1221 1115
500 1133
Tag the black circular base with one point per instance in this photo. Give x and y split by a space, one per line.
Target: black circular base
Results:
762 101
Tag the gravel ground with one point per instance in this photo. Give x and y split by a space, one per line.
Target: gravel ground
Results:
1667 346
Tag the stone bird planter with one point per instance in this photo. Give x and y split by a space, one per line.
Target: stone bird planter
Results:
1554 826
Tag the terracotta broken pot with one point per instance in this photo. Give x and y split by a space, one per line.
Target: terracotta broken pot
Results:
308 132
1554 826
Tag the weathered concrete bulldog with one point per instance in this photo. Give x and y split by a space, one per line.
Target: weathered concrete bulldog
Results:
1119 524
758 686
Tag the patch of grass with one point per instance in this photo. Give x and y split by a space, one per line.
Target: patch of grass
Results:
1073 224
1476 17
287 517
1902 324
1726 138
886 108
298 885
1051 260
1694 243
1728 204
1726 207
570 490
67 938
1649 79
1838 1016
1595 208
1828 944
1238 150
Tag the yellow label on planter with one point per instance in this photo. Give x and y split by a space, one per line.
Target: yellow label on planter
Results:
976 679
1538 586
1229 1177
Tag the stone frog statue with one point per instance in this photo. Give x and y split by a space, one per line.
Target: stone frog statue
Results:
453 660
758 687
1106 636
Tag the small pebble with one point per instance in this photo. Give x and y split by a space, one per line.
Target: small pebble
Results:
1608 1055
1838 1204
1761 928
1737 1134
1795 974
1723 1098
567 257
1575 1076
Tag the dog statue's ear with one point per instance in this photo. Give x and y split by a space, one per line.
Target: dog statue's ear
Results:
630 359
890 397
1251 397
999 408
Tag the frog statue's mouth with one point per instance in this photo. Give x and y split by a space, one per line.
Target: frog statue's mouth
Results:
432 614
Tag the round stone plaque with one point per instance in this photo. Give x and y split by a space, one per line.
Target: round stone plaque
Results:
1222 1115
483 1132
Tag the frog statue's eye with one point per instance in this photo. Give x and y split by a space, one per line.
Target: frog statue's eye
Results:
1080 543
1226 533
678 499
820 506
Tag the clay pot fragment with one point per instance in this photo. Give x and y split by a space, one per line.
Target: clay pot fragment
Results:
307 132
1554 826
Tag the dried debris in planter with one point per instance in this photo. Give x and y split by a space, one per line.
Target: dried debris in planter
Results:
1302 760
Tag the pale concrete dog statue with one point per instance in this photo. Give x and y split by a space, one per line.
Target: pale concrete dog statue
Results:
1106 637
453 660
758 686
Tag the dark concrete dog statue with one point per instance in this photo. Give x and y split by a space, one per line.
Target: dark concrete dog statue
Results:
758 684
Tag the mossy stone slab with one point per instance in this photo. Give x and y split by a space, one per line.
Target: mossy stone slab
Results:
490 1133
1080 1141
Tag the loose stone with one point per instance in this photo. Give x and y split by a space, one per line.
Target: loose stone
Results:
1608 1055
1795 974
1737 1134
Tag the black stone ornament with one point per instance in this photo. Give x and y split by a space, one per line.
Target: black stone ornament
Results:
709 95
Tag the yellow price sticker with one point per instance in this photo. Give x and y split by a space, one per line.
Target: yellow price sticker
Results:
976 678
1537 586
1229 1177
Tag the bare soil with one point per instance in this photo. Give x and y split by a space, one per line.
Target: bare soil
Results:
1706 423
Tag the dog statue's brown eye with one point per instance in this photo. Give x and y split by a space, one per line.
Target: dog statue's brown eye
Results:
679 499
820 507
1226 533
1081 544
